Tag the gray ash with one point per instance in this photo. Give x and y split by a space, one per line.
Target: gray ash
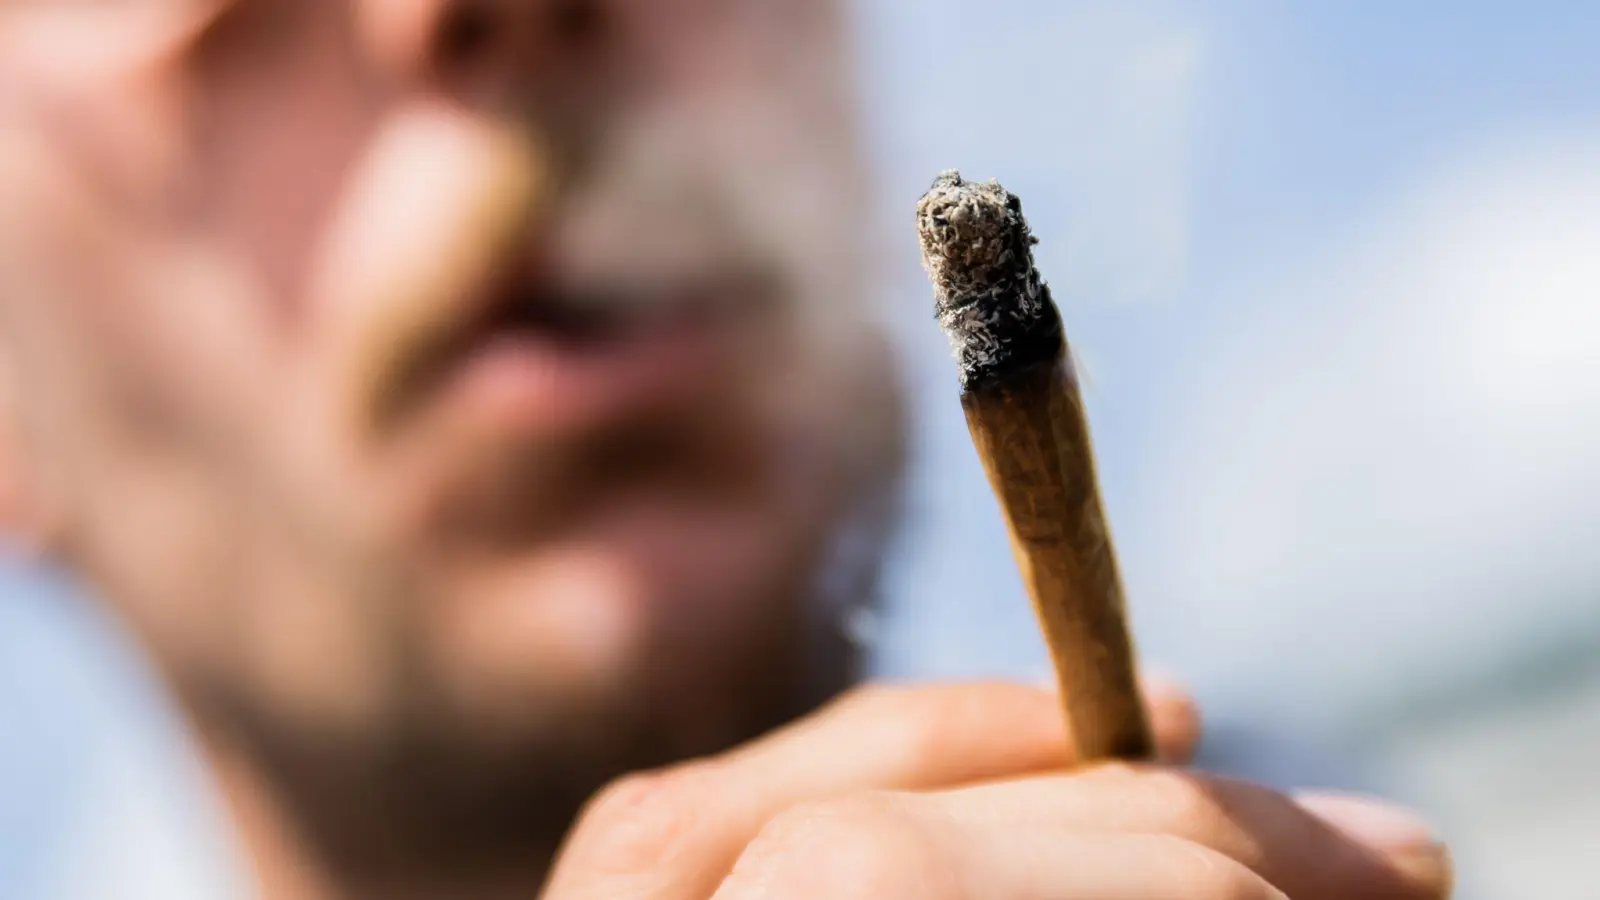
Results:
988 296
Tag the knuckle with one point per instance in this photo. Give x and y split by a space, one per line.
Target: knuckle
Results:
852 849
1211 875
643 820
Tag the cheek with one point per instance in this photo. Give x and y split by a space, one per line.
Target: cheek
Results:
277 116
118 318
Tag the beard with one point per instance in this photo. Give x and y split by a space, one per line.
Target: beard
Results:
432 792
432 784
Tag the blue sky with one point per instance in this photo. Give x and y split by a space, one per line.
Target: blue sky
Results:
1331 269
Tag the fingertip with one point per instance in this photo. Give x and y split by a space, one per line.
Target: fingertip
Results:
1174 716
1162 686
1406 840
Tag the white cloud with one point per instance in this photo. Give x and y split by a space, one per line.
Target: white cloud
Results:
1400 468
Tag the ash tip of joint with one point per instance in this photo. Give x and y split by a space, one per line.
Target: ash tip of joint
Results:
972 234
989 298
955 210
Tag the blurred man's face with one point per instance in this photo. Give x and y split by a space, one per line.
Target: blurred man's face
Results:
469 379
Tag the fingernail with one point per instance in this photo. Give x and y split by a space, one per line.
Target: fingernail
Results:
1373 822
1400 834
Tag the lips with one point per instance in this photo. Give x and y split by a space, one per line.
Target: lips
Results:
540 357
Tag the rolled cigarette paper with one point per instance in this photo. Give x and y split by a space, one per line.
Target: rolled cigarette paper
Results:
1026 415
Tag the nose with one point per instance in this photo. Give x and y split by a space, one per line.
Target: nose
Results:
543 57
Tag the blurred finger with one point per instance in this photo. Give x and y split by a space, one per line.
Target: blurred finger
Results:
1174 716
884 857
676 834
1313 850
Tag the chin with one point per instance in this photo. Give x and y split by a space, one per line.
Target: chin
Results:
643 601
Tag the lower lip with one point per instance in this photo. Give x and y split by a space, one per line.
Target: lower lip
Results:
519 381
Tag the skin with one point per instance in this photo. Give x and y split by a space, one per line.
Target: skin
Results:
425 586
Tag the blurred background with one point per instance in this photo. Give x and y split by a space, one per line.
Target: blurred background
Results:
1333 274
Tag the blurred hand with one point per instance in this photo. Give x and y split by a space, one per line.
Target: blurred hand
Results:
948 793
